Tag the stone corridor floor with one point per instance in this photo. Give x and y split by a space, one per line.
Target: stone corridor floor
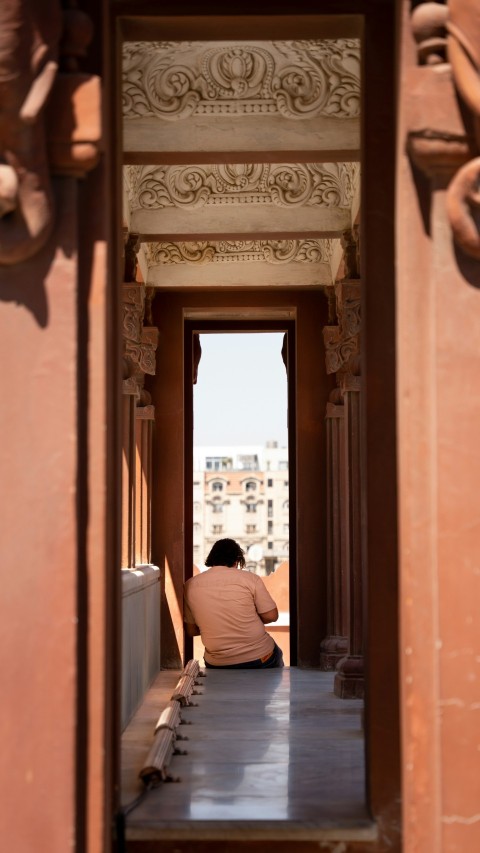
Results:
266 750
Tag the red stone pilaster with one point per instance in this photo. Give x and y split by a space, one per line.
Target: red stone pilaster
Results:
349 677
334 646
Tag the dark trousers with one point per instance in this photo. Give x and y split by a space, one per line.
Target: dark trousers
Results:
275 660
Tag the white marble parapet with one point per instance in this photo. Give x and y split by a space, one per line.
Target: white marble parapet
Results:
140 635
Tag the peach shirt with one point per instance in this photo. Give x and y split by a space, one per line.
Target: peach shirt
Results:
224 603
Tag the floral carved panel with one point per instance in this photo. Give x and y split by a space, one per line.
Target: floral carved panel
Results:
240 251
293 79
284 185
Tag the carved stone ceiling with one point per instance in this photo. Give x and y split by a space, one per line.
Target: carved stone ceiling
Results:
241 159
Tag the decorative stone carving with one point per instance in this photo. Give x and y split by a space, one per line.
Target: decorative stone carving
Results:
463 204
133 308
28 65
143 353
463 197
294 79
240 251
428 26
145 413
285 185
342 341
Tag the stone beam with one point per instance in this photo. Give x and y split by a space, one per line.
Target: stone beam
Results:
230 223
240 276
249 139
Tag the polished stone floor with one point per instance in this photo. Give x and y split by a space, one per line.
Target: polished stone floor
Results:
264 747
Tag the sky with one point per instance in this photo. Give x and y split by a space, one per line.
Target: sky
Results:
241 392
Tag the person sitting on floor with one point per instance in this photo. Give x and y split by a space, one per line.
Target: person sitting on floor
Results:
229 608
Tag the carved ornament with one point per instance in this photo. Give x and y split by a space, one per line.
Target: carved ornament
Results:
294 79
443 138
283 185
463 196
342 342
130 386
145 413
132 322
143 355
240 251
30 31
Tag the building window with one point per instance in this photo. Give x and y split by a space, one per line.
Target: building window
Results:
217 486
251 528
270 509
285 483
251 508
270 546
197 506
217 507
248 462
270 526
218 463
270 483
197 527
217 528
286 505
285 548
283 465
250 486
286 528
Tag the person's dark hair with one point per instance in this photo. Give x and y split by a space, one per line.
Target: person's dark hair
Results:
226 552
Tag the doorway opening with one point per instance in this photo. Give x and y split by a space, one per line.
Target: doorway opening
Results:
236 486
240 453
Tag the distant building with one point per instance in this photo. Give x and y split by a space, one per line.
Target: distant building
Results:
242 492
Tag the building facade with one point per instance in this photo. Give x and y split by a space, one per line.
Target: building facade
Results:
242 493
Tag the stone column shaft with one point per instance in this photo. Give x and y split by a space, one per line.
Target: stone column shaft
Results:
334 646
349 678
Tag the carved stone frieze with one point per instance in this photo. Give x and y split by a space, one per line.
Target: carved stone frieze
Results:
281 184
240 251
294 79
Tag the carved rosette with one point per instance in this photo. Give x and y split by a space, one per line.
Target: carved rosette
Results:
240 251
342 342
294 79
282 185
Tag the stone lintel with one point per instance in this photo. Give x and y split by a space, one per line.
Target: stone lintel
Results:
259 275
244 139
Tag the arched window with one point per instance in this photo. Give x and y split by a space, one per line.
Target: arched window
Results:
217 486
286 505
250 486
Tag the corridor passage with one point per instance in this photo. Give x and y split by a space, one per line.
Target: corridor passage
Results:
263 747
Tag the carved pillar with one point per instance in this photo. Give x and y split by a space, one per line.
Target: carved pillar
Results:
133 307
335 645
349 677
341 356
140 344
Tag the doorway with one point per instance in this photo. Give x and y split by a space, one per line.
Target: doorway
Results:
241 485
